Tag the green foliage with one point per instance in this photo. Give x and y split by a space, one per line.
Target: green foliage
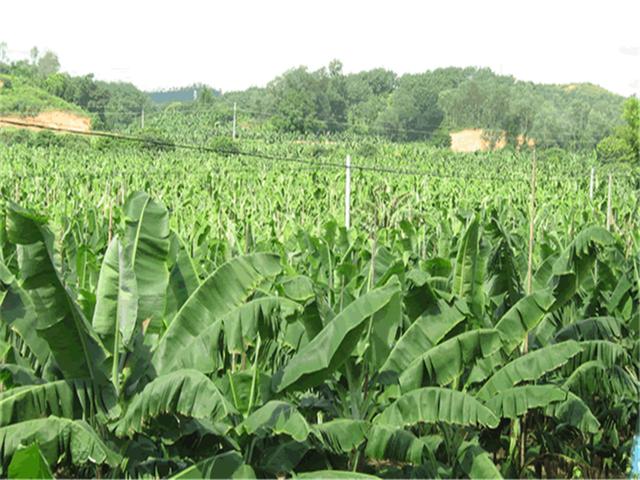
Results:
624 145
223 145
42 139
28 462
19 97
427 106
141 337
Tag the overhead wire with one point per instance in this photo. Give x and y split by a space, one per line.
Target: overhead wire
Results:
277 158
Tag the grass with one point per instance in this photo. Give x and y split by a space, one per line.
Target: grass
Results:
17 97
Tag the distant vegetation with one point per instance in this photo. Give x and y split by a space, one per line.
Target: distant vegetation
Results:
19 97
624 144
43 87
425 106
183 94
378 102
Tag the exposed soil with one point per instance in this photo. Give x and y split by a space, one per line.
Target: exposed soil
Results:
52 118
472 140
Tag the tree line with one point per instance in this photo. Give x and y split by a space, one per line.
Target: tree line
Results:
110 103
427 106
412 107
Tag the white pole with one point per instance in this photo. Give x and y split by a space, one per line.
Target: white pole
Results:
609 206
142 119
234 120
591 183
347 193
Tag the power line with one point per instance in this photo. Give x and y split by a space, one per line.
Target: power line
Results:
289 159
200 111
163 143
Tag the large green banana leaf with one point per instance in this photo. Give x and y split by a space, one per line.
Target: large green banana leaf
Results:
203 353
436 404
393 443
283 457
609 353
225 465
423 334
441 364
276 417
476 462
146 239
468 274
522 318
60 321
185 392
55 437
183 276
223 291
515 401
28 462
503 284
574 265
312 364
63 398
528 367
598 328
342 435
382 331
116 310
573 411
261 315
18 312
594 378
12 375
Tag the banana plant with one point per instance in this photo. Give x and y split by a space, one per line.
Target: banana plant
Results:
344 354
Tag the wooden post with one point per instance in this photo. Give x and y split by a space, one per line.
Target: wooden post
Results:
347 192
592 182
532 214
234 120
110 233
609 206
525 343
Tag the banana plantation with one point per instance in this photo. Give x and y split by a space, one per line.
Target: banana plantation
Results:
189 315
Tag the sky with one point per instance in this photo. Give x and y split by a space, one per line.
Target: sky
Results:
232 45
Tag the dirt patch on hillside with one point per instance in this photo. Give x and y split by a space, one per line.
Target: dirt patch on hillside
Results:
50 119
475 140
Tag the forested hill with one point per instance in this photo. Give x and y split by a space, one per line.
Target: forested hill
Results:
431 104
412 107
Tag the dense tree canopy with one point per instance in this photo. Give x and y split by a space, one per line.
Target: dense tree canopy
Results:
425 106
623 145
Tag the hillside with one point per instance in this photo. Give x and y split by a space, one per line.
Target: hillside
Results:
430 105
421 107
19 97
21 101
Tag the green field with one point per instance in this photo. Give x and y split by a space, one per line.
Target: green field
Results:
191 313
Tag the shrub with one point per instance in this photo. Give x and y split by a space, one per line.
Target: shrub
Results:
615 149
225 145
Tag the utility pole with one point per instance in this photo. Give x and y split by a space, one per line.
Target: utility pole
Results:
234 121
609 204
142 119
347 192
592 182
